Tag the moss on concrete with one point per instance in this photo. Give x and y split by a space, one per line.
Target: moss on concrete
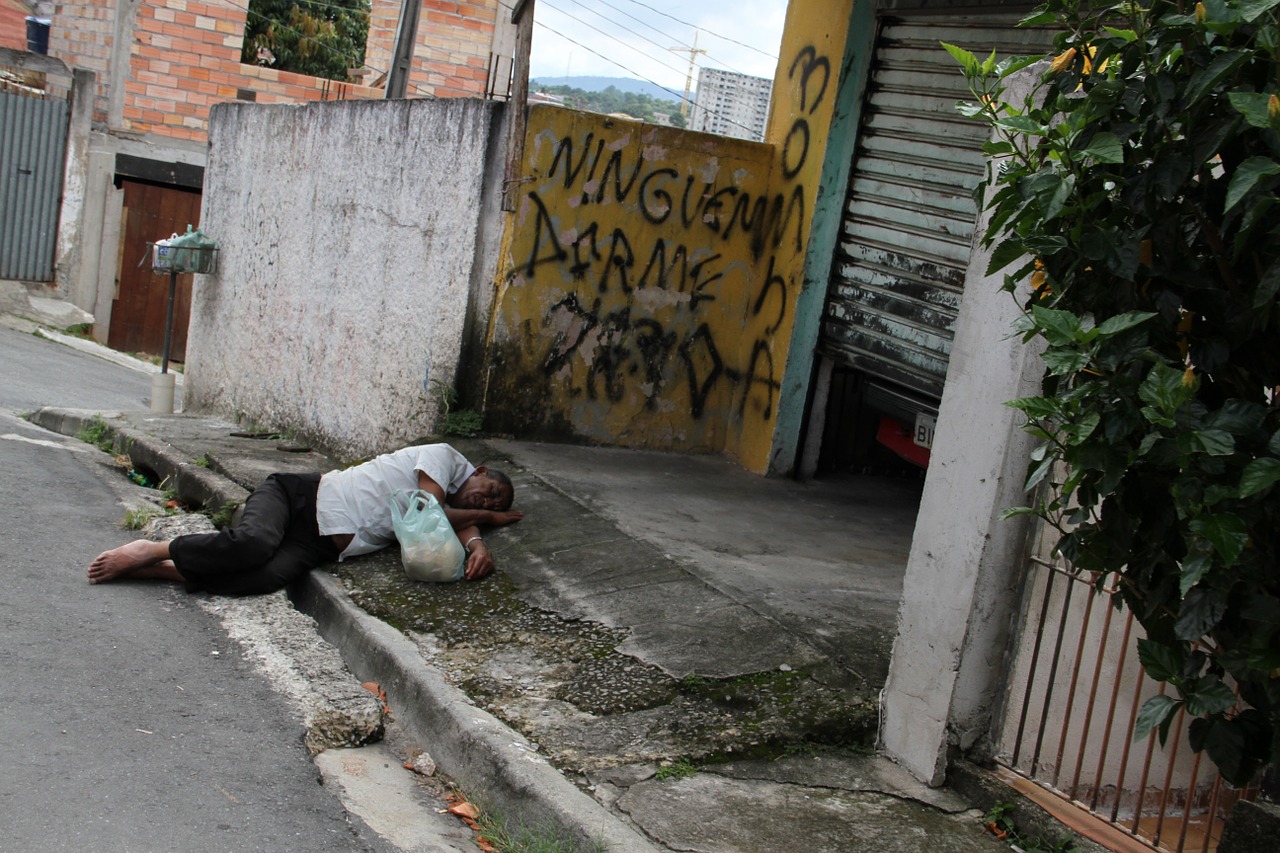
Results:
564 684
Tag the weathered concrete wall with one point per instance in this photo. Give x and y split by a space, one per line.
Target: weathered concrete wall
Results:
963 578
817 99
634 264
347 234
654 277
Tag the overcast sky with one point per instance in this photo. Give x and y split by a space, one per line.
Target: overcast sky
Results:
632 38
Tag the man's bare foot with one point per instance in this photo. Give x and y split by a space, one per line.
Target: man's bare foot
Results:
164 570
126 559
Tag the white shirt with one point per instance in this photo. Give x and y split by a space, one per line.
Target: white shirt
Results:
358 499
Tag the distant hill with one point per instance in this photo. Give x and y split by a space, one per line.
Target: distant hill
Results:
613 101
622 84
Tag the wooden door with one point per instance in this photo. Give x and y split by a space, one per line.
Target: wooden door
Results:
138 312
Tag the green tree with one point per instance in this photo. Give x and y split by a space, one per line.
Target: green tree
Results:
319 38
614 100
1136 199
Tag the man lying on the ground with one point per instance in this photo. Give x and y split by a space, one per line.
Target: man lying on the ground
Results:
295 522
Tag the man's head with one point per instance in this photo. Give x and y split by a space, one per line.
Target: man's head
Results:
487 488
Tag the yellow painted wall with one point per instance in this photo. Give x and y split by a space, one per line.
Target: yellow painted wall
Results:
650 275
631 264
804 102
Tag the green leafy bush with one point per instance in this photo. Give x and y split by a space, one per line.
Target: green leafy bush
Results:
320 38
1136 201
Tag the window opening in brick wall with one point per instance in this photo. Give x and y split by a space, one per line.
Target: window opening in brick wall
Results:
319 38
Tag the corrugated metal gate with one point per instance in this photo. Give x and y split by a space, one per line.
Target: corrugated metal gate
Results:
910 214
906 232
33 137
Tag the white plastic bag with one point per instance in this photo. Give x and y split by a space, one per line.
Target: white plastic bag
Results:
429 549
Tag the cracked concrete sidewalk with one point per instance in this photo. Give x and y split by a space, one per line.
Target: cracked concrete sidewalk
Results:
702 594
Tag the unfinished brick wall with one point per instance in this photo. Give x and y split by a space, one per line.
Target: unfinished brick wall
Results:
454 40
185 56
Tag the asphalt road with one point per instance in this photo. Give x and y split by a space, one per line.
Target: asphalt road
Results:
129 721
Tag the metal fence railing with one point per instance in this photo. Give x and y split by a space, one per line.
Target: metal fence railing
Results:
1074 690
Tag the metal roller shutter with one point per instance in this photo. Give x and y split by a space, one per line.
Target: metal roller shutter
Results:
909 218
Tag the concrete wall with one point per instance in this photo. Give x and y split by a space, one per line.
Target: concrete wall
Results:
635 260
653 277
348 232
963 578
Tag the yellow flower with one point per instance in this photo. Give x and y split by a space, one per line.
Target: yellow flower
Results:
1273 108
1088 60
1189 377
1063 61
1201 13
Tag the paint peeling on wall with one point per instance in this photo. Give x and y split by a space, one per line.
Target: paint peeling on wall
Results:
651 275
636 257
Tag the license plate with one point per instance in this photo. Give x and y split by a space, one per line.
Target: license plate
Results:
925 425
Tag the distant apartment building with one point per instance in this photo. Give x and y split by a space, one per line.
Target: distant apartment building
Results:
731 104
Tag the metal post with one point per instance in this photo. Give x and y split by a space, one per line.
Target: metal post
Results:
162 383
522 16
168 320
402 55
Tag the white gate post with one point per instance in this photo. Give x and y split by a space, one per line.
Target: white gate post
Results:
963 575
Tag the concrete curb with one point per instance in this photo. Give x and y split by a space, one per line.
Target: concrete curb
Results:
485 756
490 760
191 482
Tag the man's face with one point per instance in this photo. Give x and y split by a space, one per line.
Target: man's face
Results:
481 492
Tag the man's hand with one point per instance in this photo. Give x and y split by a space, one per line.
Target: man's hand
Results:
479 561
509 517
461 519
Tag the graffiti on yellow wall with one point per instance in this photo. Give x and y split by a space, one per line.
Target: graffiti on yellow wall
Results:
637 254
650 277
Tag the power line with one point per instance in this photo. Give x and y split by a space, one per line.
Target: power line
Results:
368 7
608 59
713 34
614 38
665 35
630 71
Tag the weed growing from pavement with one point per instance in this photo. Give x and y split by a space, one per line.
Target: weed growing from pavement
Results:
97 433
1000 823
673 771
460 422
509 836
222 517
136 519
202 461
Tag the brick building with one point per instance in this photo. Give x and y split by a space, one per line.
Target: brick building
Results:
181 56
136 146
13 30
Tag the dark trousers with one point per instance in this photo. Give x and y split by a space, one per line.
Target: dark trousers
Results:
275 542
